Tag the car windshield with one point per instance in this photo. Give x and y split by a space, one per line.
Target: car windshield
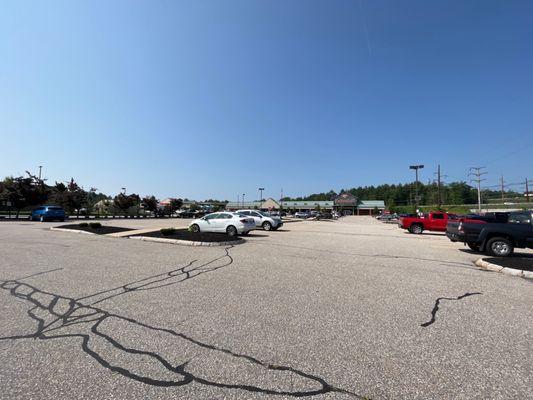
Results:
264 213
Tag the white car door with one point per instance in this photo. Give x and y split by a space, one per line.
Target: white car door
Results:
208 223
222 221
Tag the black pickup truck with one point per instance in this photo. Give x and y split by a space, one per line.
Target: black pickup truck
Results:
496 234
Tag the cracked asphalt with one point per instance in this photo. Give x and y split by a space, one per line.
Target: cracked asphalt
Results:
326 310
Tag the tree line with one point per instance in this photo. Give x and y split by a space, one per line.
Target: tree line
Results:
396 195
28 191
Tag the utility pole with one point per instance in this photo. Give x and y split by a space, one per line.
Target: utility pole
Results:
243 200
439 198
478 172
416 168
527 191
40 168
502 185
261 197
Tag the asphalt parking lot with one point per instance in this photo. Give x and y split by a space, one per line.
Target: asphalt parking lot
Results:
327 310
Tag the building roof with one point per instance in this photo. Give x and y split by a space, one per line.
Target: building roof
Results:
307 203
243 205
371 204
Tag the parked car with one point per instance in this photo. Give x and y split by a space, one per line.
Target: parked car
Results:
324 215
186 214
496 235
262 219
301 214
229 222
387 217
47 213
433 221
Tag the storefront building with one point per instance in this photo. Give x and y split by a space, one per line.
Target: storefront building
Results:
344 204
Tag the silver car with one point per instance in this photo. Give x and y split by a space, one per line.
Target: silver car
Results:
262 219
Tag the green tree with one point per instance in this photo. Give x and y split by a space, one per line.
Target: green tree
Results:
173 206
70 196
150 203
125 202
22 192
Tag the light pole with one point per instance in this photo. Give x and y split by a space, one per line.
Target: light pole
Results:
261 198
243 200
416 168
124 189
40 168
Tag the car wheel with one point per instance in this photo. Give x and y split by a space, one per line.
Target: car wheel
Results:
473 246
231 231
195 228
267 226
417 229
499 247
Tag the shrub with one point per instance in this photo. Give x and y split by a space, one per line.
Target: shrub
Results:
83 225
168 231
95 225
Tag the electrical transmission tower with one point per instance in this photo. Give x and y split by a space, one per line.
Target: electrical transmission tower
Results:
477 173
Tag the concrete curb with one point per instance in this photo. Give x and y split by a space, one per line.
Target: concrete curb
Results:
72 231
504 270
185 242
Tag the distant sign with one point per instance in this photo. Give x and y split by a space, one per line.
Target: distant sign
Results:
346 199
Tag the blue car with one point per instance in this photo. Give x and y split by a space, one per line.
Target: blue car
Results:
47 213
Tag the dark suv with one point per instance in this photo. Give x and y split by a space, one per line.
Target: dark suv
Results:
497 236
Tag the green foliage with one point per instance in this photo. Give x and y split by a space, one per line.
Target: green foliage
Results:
168 231
124 202
71 196
150 203
24 192
95 225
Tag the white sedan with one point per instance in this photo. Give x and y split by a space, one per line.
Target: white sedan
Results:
231 223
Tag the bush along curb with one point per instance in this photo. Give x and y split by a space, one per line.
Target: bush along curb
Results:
72 230
185 242
504 270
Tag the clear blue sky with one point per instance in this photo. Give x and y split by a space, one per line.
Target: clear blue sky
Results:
204 99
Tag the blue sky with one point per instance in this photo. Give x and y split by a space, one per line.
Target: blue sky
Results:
205 99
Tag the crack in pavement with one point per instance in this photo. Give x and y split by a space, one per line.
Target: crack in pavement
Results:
87 321
437 303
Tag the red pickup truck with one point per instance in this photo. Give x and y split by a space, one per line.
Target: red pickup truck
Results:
433 221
